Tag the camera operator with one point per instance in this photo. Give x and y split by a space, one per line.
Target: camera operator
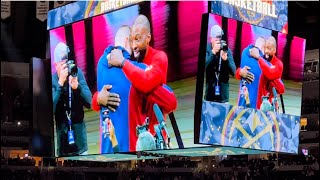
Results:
219 64
69 75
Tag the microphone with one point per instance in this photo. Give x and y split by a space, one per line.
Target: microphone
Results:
160 119
275 100
145 140
275 94
265 104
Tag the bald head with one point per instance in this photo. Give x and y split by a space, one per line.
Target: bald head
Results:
272 42
270 48
216 31
122 34
140 37
122 38
61 52
143 22
260 43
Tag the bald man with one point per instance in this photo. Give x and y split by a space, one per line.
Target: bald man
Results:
111 85
217 72
271 70
81 96
144 91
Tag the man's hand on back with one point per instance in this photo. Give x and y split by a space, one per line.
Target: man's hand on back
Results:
108 99
254 52
116 58
246 74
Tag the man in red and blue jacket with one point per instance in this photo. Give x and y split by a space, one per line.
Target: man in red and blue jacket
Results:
266 73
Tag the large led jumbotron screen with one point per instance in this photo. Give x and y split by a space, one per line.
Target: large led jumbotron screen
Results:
166 77
251 96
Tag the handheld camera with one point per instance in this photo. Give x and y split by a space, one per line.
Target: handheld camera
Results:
224 46
72 67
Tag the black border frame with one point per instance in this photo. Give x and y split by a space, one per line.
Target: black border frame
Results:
48 77
200 77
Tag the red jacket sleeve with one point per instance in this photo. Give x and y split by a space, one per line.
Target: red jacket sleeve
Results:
271 72
237 75
278 85
149 79
165 99
95 105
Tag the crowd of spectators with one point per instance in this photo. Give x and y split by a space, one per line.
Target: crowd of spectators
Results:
281 167
25 161
288 160
166 162
76 163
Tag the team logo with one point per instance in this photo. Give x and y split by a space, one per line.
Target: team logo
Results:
235 126
250 128
256 10
251 11
250 16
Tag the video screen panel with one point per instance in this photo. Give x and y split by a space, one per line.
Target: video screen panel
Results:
42 132
249 83
271 14
167 80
